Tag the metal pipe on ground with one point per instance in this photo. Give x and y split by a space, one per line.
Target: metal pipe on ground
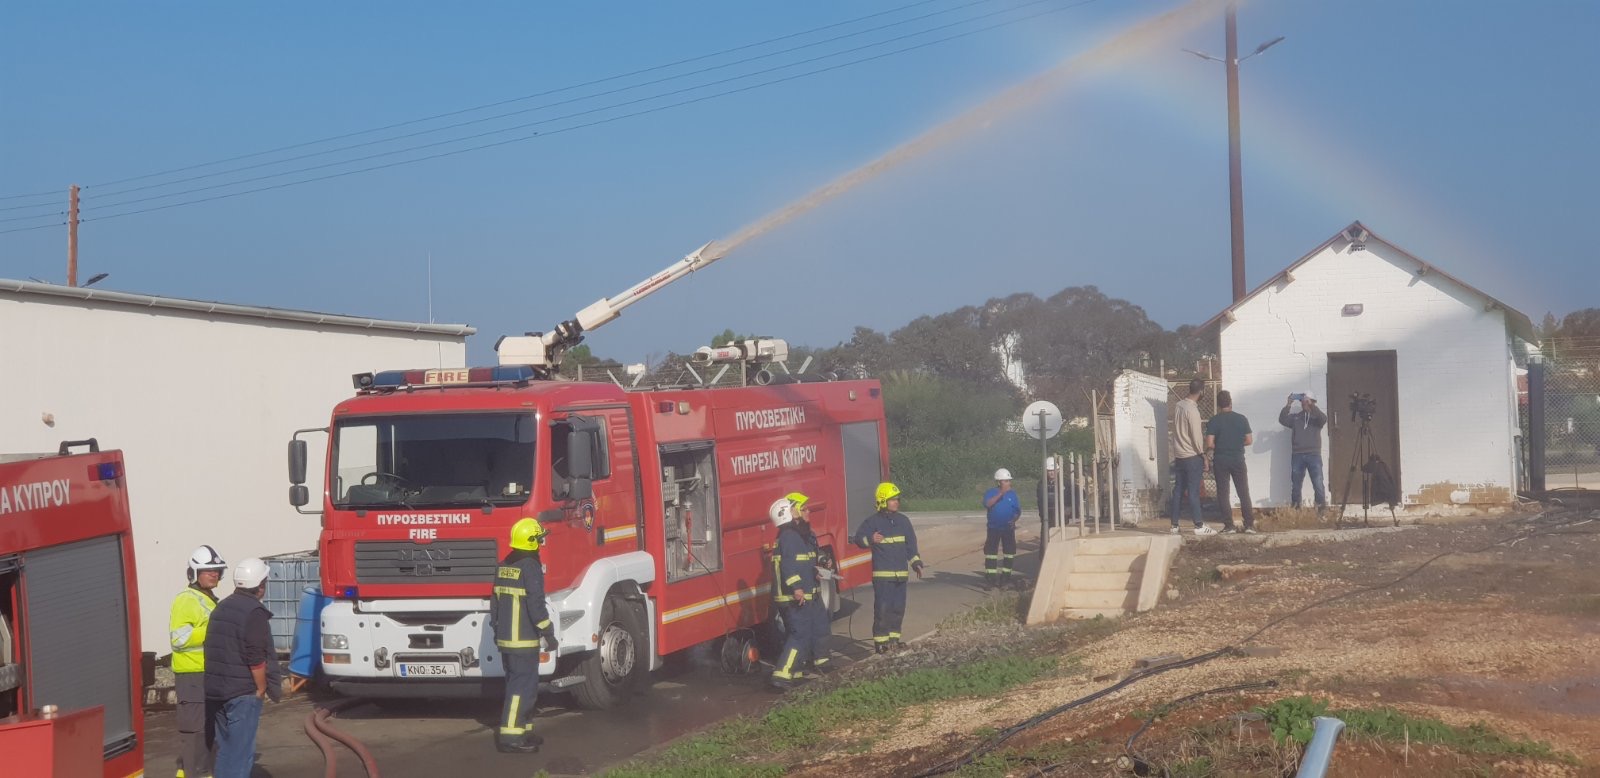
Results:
1314 764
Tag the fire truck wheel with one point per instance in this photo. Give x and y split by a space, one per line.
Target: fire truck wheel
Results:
613 671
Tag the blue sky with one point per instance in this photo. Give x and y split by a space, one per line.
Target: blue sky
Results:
1461 131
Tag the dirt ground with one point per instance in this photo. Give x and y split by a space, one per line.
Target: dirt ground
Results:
1502 628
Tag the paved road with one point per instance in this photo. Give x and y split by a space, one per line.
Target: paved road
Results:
437 738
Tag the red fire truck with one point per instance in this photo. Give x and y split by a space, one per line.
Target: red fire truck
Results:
656 502
70 669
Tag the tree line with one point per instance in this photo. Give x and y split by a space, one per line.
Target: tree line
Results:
955 382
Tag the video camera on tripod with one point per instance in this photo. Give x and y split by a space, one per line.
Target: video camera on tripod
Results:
1377 480
1363 406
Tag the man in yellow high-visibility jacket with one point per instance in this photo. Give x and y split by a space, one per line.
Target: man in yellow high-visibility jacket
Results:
191 614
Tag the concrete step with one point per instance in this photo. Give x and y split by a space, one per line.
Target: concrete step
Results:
1109 563
1091 545
1089 613
1122 600
1103 582
1102 575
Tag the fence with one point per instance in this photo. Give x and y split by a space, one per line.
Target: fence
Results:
1571 413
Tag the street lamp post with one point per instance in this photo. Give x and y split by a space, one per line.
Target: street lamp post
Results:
1230 61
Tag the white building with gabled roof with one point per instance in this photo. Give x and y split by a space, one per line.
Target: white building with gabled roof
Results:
1437 355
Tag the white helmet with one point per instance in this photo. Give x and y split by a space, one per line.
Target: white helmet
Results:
250 573
781 512
1002 475
205 558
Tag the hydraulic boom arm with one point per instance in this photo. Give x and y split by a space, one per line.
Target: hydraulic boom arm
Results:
545 349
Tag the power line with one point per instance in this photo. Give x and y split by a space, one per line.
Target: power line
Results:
35 216
38 227
581 98
35 205
596 122
509 101
30 194
586 112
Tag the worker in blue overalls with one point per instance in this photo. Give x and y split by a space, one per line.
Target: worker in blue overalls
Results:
794 576
894 548
1000 546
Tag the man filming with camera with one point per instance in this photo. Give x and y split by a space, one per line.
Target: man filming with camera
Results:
1305 422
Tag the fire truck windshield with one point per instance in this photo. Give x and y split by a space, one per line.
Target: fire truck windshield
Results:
433 460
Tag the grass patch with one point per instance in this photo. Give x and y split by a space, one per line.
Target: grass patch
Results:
1004 609
942 504
757 746
1197 767
1580 605
1290 719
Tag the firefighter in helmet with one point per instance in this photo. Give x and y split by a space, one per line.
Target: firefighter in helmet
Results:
191 615
521 624
894 549
794 575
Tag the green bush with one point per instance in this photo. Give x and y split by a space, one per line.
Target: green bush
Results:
748 746
1291 720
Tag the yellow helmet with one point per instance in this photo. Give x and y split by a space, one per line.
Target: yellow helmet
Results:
886 492
798 500
527 534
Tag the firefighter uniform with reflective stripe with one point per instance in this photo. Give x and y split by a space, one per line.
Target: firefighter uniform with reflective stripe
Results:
794 566
191 617
520 617
891 558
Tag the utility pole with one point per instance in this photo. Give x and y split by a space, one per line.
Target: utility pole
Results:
72 236
1230 61
1235 171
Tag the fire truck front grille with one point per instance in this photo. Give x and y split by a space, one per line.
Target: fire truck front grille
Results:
442 561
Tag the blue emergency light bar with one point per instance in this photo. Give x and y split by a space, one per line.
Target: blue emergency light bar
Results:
394 379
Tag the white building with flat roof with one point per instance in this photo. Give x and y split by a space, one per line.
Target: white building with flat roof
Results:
202 398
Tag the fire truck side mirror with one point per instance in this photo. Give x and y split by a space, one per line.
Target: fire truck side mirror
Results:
299 496
297 464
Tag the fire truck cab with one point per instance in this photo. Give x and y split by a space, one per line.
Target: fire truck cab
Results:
655 501
70 669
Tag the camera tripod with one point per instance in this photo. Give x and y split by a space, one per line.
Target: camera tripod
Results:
1362 459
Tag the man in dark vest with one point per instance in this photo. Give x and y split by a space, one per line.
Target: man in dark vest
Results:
521 623
241 669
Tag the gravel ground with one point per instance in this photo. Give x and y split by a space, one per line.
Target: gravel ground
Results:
1507 635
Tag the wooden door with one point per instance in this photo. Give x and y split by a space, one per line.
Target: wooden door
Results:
1372 373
